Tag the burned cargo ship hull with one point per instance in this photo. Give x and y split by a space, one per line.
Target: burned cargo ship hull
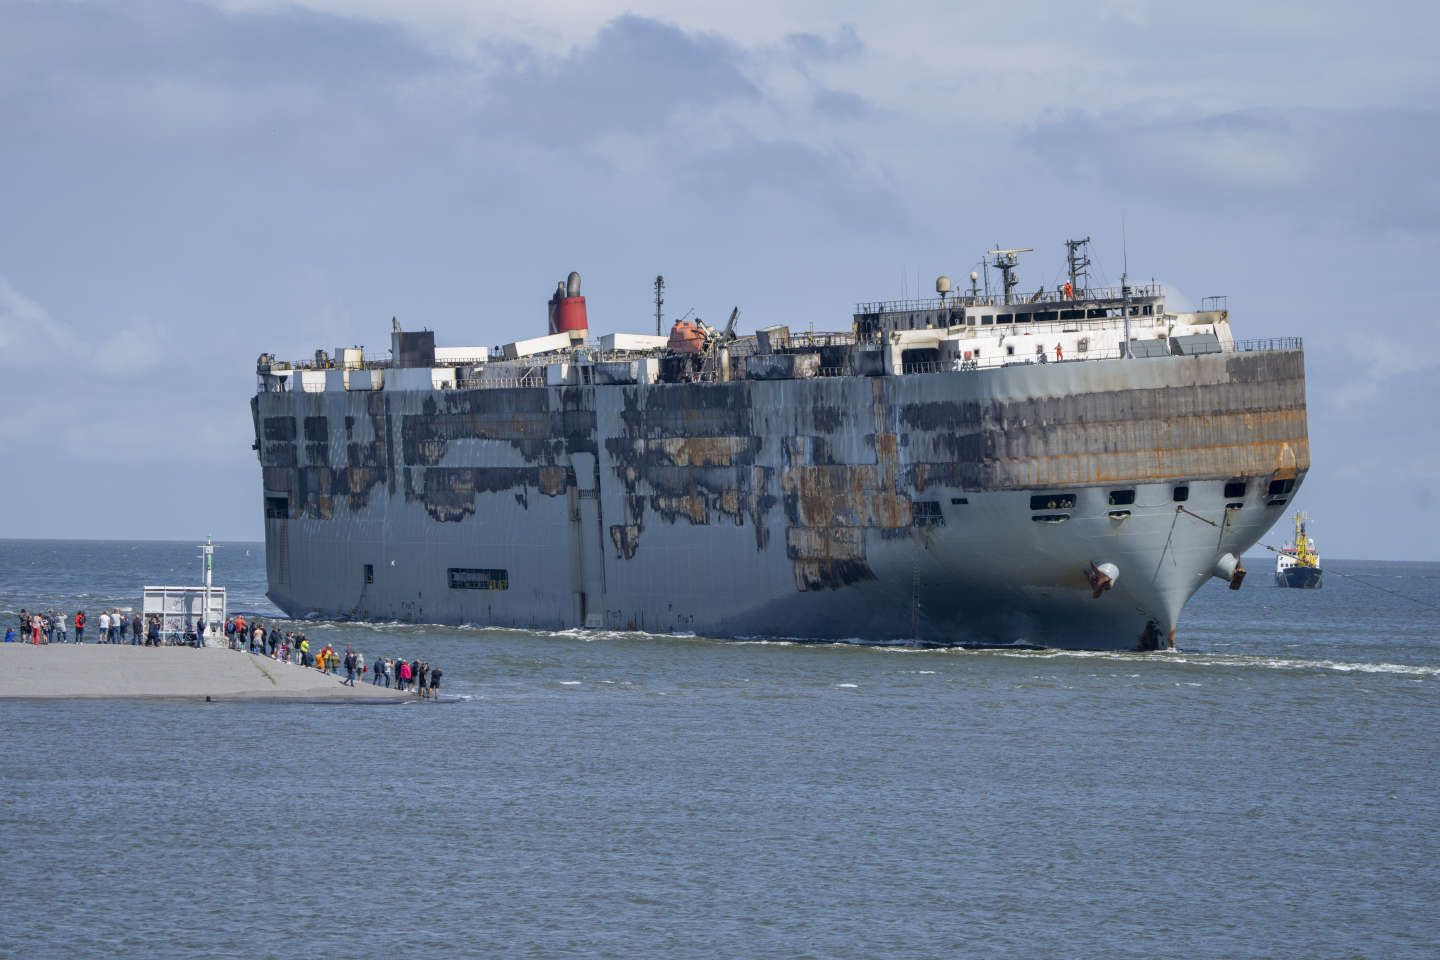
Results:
1075 504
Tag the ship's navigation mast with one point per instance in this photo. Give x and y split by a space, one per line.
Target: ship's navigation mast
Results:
1125 310
1006 261
1125 351
1077 257
659 305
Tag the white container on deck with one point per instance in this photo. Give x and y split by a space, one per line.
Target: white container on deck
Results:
461 356
631 341
528 348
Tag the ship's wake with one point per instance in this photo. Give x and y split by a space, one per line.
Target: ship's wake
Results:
1187 658
1223 660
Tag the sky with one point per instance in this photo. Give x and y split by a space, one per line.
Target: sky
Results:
185 185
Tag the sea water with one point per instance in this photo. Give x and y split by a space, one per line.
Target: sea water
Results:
1267 790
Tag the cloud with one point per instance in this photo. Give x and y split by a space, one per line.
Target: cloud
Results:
1372 168
1377 370
632 78
168 38
33 341
27 334
840 105
186 75
843 45
765 175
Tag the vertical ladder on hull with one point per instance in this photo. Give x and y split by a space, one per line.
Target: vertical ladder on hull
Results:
915 598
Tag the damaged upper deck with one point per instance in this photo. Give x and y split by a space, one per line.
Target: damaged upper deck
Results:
955 331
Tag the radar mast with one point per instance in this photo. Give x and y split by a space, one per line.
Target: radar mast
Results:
1077 259
1006 261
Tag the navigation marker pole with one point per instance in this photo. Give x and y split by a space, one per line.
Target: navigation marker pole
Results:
207 554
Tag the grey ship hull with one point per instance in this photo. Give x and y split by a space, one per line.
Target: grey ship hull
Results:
875 509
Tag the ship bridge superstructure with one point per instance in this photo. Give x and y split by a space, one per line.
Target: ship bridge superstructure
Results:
873 319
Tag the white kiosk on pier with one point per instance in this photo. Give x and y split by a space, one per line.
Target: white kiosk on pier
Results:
180 608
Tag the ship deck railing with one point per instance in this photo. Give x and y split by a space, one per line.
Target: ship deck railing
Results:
1269 343
501 383
1092 295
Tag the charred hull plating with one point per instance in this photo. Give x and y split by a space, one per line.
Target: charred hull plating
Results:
954 507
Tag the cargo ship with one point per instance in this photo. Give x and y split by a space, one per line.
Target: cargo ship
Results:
1298 563
1060 468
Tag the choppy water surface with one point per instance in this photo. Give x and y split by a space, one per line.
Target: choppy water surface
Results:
1268 790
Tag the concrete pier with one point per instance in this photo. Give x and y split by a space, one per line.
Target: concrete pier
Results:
104 671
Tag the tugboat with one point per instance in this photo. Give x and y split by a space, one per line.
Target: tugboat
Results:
1298 565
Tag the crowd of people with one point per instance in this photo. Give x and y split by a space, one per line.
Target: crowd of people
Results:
117 626
415 676
111 626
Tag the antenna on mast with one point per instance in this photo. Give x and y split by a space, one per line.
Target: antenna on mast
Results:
1124 249
1006 261
659 304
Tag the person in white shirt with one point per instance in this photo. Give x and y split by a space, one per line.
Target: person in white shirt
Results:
62 628
105 627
